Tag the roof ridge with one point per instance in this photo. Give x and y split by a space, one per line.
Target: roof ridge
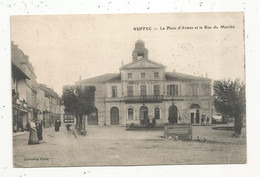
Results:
188 76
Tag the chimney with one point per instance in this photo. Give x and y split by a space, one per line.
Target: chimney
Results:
206 75
174 70
122 63
79 78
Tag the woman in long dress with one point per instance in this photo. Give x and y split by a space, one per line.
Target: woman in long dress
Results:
57 125
33 138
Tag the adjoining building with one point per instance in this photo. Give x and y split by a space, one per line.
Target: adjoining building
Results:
144 89
51 106
24 89
30 100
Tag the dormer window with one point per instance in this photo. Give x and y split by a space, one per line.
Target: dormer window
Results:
142 75
129 75
156 74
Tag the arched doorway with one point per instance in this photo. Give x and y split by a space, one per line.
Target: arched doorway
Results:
195 114
143 112
173 114
114 116
93 117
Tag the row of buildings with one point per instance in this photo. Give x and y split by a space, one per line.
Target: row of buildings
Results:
30 100
144 89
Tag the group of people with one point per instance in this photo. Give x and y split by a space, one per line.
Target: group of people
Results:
35 132
35 127
203 119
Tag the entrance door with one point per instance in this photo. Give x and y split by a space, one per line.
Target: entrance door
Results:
197 116
93 118
192 117
143 112
173 115
195 113
114 116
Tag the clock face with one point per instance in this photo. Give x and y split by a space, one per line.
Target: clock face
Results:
143 63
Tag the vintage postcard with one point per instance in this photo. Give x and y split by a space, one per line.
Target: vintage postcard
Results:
128 89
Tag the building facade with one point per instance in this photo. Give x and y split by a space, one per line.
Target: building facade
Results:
144 89
24 89
51 106
28 97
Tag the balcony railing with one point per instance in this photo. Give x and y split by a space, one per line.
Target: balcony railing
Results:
144 99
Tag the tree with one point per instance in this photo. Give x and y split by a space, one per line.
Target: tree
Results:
229 99
79 100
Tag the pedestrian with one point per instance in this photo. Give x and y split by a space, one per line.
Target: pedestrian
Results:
68 127
15 127
202 120
33 139
43 123
57 125
39 130
207 121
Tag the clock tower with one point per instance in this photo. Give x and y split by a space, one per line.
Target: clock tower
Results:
140 51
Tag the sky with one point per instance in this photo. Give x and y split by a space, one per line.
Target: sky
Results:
62 48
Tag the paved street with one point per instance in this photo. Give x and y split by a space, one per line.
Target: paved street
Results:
115 146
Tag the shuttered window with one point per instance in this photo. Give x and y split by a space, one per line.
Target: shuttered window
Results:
172 90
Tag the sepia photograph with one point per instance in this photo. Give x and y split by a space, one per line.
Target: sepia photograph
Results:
128 89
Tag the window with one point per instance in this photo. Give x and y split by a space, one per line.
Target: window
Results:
157 113
156 74
143 90
114 91
142 75
130 91
206 89
194 90
156 90
172 90
130 114
129 75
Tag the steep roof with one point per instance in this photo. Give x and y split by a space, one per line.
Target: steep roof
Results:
19 58
171 76
110 77
48 91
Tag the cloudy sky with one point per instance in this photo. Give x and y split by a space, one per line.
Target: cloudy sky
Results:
64 47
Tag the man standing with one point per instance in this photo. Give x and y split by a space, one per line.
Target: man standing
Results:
207 121
57 125
202 120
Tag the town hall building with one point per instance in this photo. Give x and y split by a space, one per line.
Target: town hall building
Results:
144 89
